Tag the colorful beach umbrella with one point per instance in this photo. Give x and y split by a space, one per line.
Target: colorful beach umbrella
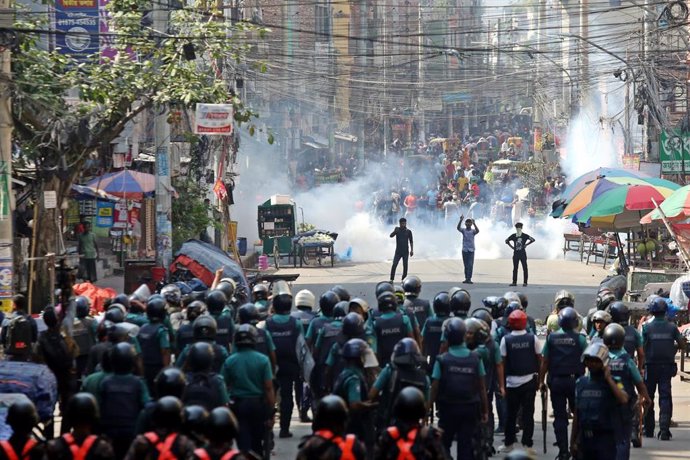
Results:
579 183
676 207
125 184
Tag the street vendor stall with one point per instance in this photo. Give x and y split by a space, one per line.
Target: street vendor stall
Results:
316 244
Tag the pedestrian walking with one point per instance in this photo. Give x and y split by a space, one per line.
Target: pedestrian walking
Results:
404 247
518 242
88 253
468 234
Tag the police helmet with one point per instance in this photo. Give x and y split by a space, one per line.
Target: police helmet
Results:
82 409
340 309
480 332
122 357
512 306
597 350
201 357
114 314
484 315
195 309
282 303
409 405
460 303
172 294
194 420
358 305
657 306
620 313
305 298
222 425
167 413
387 302
155 309
227 287
604 298
50 317
496 304
354 349
384 286
564 299
568 319
517 321
330 412
400 295
83 306
412 285
524 301
260 292
170 381
204 328
614 336
123 300
455 330
327 302
601 316
22 416
342 293
441 304
216 301
406 353
116 332
248 314
512 296
353 325
246 335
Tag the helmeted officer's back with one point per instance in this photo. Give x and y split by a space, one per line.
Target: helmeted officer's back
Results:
390 327
222 429
154 340
412 285
22 417
204 387
216 303
433 328
185 334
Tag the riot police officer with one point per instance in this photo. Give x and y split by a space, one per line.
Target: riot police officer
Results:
620 314
433 329
249 378
260 295
216 303
412 286
562 300
154 341
390 327
173 298
605 297
460 392
185 333
460 303
352 328
204 387
304 304
561 360
222 429
407 438
22 418
169 382
329 439
194 424
598 398
328 337
249 314
599 320
341 292
661 340
327 303
204 330
83 333
81 443
136 313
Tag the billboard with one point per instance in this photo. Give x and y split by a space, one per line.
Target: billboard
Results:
77 23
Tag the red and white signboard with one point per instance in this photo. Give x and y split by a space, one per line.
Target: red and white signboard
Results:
213 119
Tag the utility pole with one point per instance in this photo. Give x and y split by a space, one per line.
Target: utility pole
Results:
6 197
162 151
420 75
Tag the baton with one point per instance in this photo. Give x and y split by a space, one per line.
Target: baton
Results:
544 399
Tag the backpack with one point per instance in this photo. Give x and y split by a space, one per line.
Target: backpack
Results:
19 336
200 390
55 352
82 336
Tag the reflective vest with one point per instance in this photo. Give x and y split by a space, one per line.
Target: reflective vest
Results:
404 444
164 447
345 445
12 455
79 452
203 454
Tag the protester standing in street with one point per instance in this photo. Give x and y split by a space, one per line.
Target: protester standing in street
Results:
468 234
404 247
88 252
518 242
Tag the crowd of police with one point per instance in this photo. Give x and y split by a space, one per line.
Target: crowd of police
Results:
176 376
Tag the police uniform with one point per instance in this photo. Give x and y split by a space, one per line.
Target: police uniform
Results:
421 308
206 389
138 319
305 316
633 340
153 338
431 338
459 373
85 337
490 355
225 328
597 414
183 338
563 350
352 387
624 369
327 337
390 328
220 354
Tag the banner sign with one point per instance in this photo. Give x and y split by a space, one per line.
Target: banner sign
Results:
104 214
674 152
79 22
213 119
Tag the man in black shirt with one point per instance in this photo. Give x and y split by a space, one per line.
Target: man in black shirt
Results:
519 241
402 235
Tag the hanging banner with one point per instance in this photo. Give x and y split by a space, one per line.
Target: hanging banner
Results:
213 119
78 24
674 152
104 214
220 190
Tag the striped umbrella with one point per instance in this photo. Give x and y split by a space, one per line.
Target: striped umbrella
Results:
676 207
132 185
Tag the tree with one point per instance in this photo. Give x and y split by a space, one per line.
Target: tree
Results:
149 71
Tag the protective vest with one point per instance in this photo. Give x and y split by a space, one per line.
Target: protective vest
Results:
164 447
520 356
262 342
490 346
404 444
120 397
565 354
459 378
338 362
433 330
220 354
619 368
185 337
202 454
630 343
82 334
421 309
225 330
329 336
531 325
12 455
402 377
595 404
203 389
389 331
346 445
79 452
343 379
317 324
284 337
150 348
304 316
660 346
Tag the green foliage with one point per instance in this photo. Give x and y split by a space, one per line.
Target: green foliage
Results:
189 213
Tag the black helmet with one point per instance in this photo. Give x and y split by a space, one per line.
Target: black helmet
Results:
441 304
167 413
227 288
201 357
460 303
353 325
496 304
22 416
282 303
406 353
614 336
480 332
484 315
82 409
387 302
248 314
82 305
564 299
245 335
194 420
330 413
354 349
512 306
170 381
172 294
117 333
620 313
122 299
523 300
410 405
114 314
384 286
122 357
455 331
327 302
205 328
657 305
260 292
195 309
604 298
155 309
412 285
342 293
340 309
50 317
567 319
216 301
222 425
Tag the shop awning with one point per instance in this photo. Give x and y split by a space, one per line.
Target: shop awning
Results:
344 136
